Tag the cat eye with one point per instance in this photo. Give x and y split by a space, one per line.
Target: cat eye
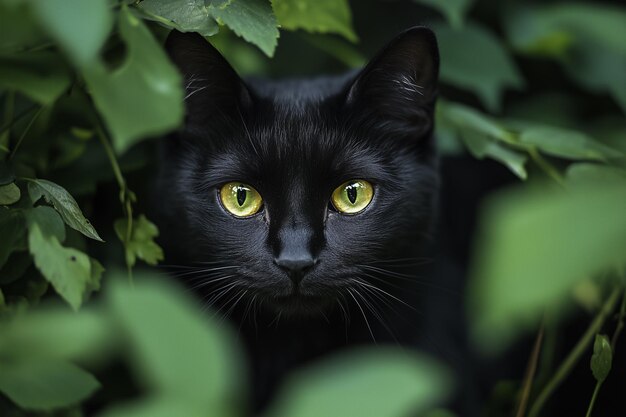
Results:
352 196
241 200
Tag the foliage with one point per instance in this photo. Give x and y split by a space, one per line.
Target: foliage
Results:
540 88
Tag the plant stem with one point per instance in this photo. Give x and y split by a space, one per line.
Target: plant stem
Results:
593 398
620 323
530 372
576 353
546 166
25 132
124 196
16 119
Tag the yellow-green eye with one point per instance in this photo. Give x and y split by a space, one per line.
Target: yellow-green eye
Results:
240 199
352 196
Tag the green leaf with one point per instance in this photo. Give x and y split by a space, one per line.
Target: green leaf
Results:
12 230
80 27
18 30
253 20
64 203
141 244
42 76
9 194
453 10
317 16
481 147
602 358
183 15
46 385
534 246
366 383
70 271
49 221
181 355
146 87
564 143
488 76
593 173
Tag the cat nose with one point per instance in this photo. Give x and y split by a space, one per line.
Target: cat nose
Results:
295 266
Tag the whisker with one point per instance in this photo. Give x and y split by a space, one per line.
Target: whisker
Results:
363 313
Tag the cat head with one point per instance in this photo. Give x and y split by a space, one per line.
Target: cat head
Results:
294 192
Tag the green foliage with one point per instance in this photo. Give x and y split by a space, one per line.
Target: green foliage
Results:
83 85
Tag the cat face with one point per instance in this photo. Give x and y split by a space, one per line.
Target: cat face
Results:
291 192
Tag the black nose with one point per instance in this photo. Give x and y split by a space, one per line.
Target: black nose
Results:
295 266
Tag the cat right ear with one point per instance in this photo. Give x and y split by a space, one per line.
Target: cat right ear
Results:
212 87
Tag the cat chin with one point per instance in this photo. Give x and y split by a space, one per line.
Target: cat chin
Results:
298 305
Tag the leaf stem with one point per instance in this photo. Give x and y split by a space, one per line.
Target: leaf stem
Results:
546 166
530 372
575 354
125 197
593 398
25 132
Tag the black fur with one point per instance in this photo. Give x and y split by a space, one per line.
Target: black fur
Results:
295 141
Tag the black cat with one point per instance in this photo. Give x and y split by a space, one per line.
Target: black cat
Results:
306 208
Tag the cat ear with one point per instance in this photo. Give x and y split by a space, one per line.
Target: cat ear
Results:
399 86
212 87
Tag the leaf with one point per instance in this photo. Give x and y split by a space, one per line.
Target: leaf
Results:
481 147
453 10
253 20
80 27
68 270
564 143
146 87
9 194
589 173
64 203
317 16
42 76
534 246
45 385
12 230
488 76
49 221
383 382
181 355
602 358
18 30
141 244
183 15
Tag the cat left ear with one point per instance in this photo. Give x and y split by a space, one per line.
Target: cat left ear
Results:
400 84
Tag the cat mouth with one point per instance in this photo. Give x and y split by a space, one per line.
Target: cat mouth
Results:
299 303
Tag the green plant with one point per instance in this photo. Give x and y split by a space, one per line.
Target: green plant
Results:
85 83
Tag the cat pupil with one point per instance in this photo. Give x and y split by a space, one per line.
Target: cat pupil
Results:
351 192
241 196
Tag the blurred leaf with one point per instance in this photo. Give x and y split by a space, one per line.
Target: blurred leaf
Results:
586 39
45 385
317 16
6 173
253 20
602 358
585 172
488 76
57 334
9 194
481 147
42 76
49 221
183 15
181 355
80 27
18 29
64 203
565 143
70 271
367 383
141 244
145 87
453 10
15 266
338 49
534 246
12 230
161 406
